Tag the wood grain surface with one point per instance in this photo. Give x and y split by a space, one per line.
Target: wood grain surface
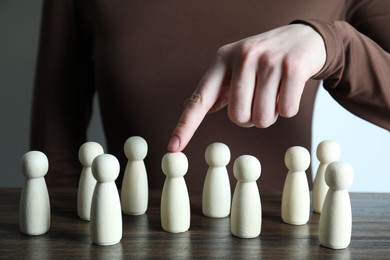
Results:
143 237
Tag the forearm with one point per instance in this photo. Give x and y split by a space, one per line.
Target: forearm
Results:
356 71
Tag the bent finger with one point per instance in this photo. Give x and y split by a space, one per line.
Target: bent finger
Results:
264 111
242 90
291 90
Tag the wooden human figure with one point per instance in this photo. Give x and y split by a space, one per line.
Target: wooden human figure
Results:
87 153
34 207
246 213
134 191
327 152
336 217
175 202
296 195
106 214
216 198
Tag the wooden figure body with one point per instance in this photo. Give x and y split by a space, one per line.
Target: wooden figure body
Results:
87 153
246 212
336 217
296 195
34 207
175 202
135 191
106 214
216 198
327 152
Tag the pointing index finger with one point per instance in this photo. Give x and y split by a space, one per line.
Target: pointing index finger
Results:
196 107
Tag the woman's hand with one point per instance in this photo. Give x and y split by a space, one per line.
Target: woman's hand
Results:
258 78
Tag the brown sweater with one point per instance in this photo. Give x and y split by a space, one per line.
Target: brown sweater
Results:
144 58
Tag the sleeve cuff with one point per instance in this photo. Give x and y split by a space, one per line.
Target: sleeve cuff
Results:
333 45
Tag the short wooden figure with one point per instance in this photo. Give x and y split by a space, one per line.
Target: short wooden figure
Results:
175 202
134 191
34 207
336 217
106 214
327 152
87 153
296 195
246 213
216 198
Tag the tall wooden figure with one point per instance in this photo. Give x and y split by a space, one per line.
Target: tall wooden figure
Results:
106 214
296 195
336 217
87 153
34 207
134 191
216 198
327 152
246 214
175 202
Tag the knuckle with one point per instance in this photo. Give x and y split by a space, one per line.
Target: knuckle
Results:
288 108
223 52
262 123
195 98
287 111
247 50
292 65
238 116
269 62
196 101
264 119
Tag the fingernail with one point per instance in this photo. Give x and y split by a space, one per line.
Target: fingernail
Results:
174 143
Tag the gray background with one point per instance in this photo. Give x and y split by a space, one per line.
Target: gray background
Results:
19 36
19 22
364 145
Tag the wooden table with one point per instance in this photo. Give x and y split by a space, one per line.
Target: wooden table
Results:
207 238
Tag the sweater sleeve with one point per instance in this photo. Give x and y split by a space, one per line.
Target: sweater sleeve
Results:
357 70
63 92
